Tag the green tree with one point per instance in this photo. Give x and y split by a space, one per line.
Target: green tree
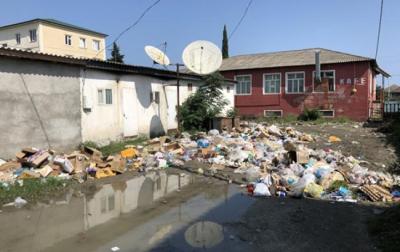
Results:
225 47
203 105
116 55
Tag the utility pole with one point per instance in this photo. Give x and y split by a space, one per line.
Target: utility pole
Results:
177 97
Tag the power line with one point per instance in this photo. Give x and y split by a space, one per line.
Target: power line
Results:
379 30
241 19
131 26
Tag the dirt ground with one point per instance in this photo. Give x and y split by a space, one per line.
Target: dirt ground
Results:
363 142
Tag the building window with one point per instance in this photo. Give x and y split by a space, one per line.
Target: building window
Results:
327 113
18 38
295 82
190 87
96 45
4 45
104 96
243 85
228 89
273 113
68 39
272 83
82 42
32 35
327 81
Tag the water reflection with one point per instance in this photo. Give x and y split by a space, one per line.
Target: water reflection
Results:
48 224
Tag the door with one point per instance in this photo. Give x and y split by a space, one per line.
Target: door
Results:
171 103
129 112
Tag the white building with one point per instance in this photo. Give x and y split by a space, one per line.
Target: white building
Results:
58 102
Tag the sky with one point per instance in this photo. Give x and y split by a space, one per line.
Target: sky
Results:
270 25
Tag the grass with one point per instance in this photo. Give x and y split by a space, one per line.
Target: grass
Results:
385 229
293 119
116 146
33 190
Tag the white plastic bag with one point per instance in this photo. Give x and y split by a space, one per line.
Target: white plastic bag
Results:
261 189
298 188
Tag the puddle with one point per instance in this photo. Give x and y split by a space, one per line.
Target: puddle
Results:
156 212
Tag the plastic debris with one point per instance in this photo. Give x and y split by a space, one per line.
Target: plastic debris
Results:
261 189
272 160
334 139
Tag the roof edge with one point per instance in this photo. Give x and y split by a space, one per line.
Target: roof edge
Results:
58 23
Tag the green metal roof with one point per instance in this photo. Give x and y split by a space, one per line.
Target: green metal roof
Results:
55 22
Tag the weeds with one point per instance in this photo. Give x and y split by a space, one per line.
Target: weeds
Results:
118 146
33 189
309 115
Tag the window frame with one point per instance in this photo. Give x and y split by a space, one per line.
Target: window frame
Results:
333 113
33 35
84 43
94 41
334 81
280 83
286 82
18 38
68 37
273 110
104 96
251 84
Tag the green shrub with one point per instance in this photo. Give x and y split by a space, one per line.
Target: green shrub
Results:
309 115
232 112
203 105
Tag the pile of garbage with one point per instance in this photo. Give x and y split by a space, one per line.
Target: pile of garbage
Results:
272 160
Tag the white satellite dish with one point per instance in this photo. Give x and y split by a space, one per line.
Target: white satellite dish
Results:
202 57
157 55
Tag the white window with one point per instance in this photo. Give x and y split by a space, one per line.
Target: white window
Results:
243 85
82 42
272 83
104 96
32 35
273 113
68 39
18 38
96 45
327 81
295 82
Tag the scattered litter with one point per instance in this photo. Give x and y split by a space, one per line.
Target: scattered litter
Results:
271 160
115 249
334 139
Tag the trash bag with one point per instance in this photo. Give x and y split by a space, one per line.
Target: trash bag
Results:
314 190
297 189
237 155
252 174
297 169
203 143
261 189
213 132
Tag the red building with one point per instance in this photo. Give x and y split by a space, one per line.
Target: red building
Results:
283 83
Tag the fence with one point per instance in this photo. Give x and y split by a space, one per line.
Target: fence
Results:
392 109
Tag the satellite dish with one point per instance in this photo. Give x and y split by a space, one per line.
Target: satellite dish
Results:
157 55
202 57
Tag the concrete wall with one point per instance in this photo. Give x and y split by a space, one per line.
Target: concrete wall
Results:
105 123
54 89
7 36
